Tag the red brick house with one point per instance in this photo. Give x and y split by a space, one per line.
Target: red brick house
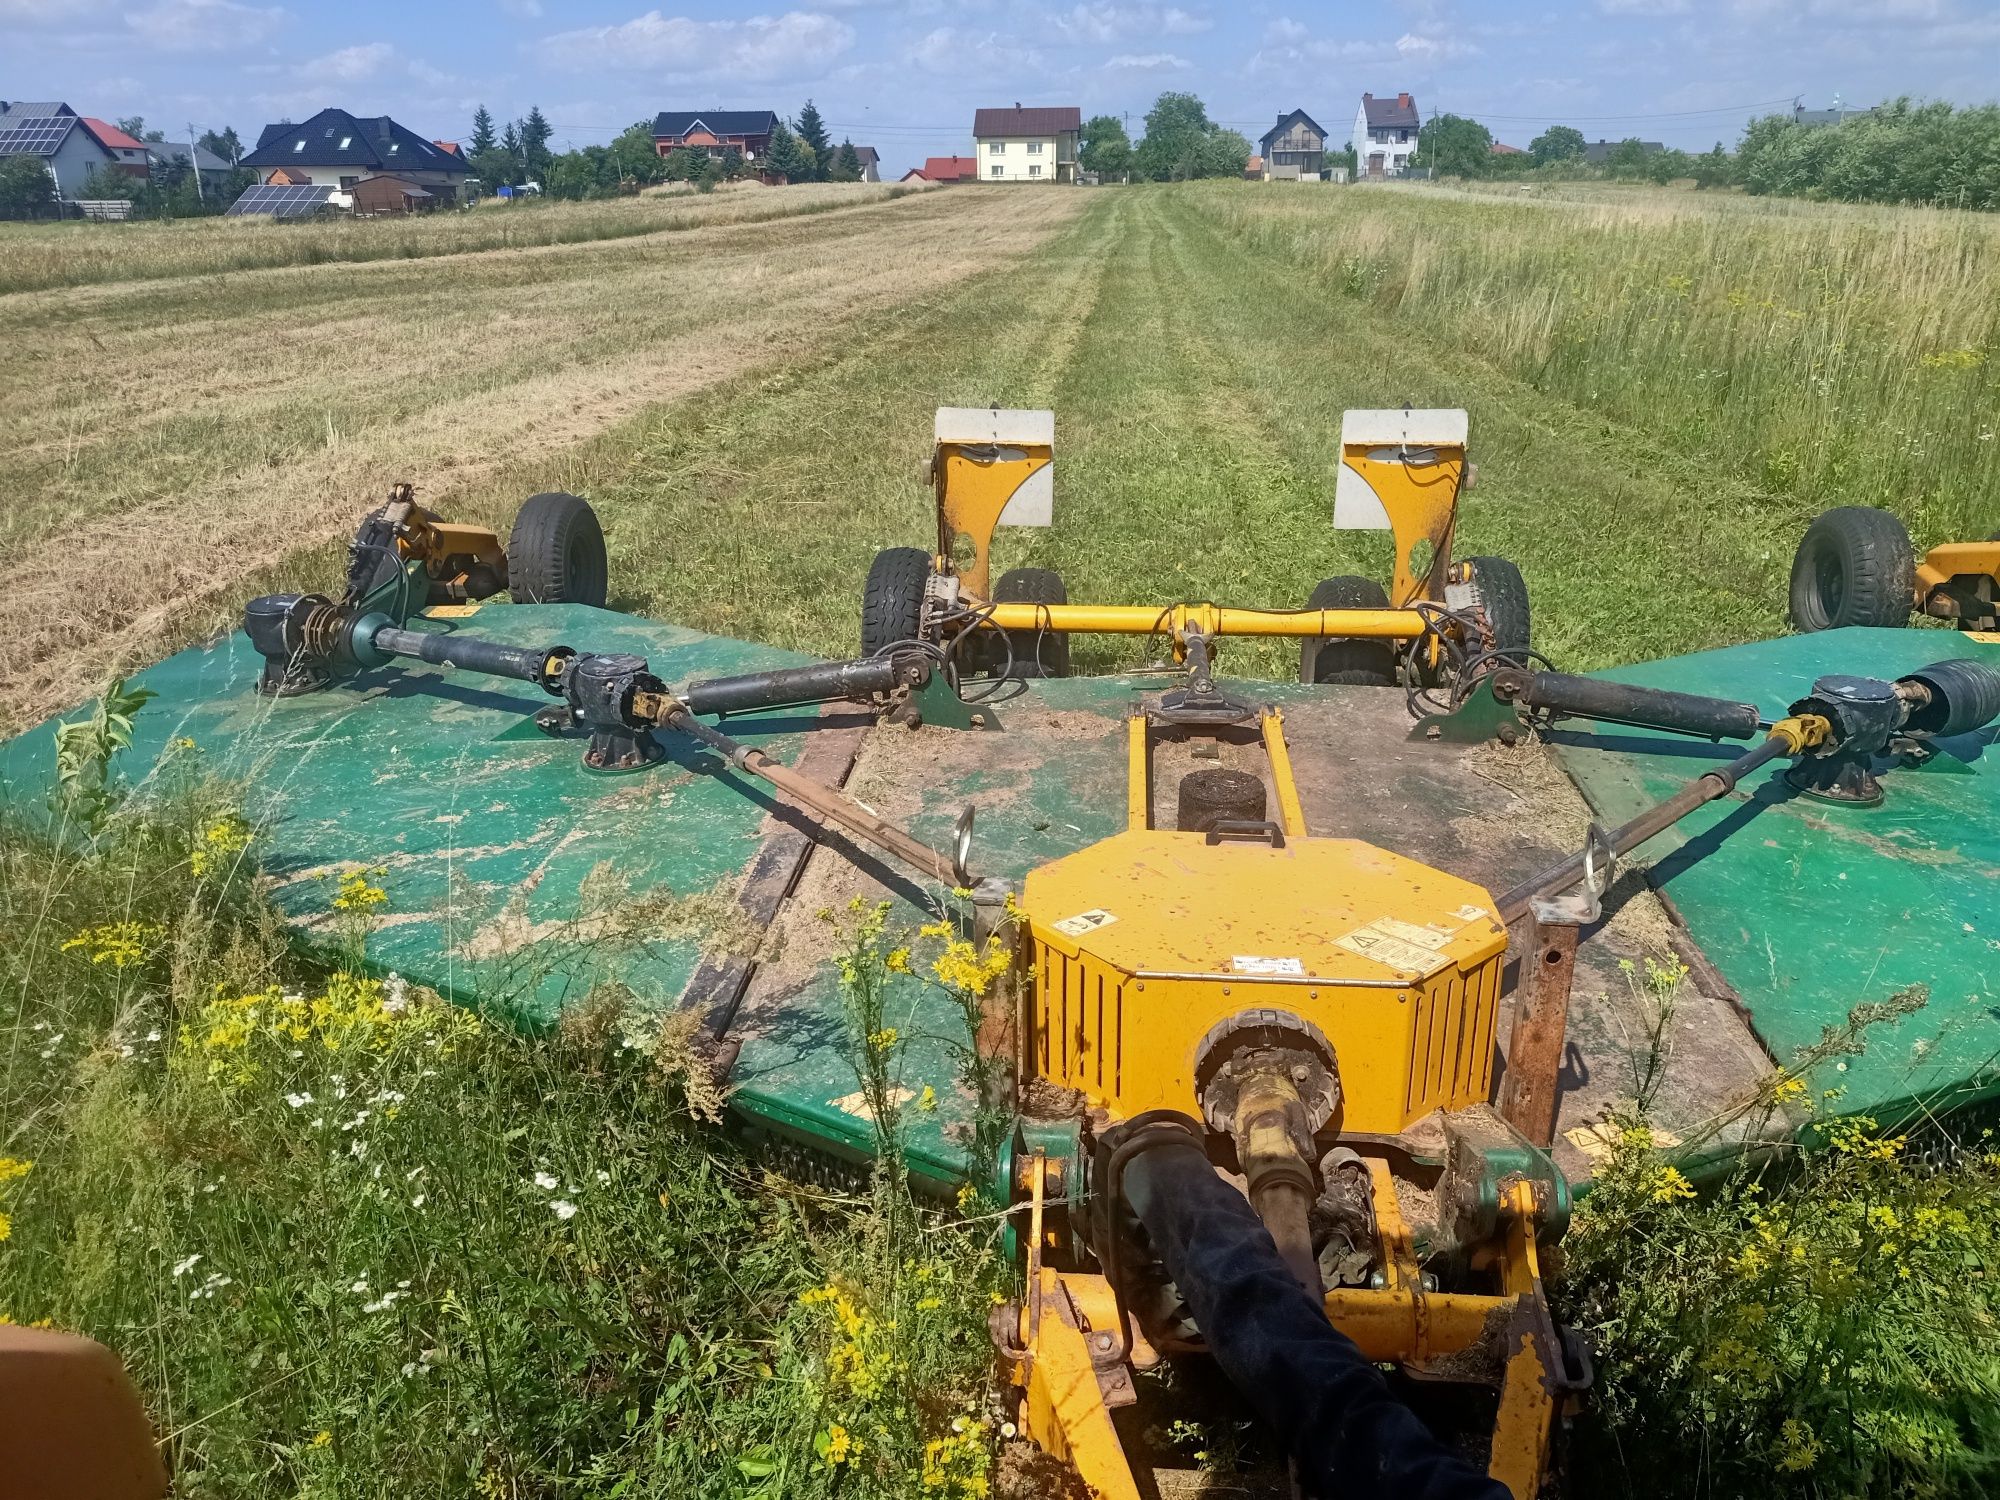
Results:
715 131
949 169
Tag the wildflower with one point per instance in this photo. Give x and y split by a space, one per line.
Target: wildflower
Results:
603 1177
898 961
183 1267
1800 1449
1669 1186
322 1438
357 895
545 1182
927 1100
563 1209
12 1169
119 944
836 1445
883 1040
225 838
298 1101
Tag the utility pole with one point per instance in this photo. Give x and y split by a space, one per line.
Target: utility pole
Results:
194 161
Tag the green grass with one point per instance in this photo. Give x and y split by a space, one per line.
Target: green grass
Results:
351 1241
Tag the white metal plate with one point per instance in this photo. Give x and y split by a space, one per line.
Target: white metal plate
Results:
1427 427
1034 503
995 424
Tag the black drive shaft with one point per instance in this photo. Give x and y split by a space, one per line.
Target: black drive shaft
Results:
1560 693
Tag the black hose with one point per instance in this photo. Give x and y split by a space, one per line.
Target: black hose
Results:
1348 1437
467 653
820 683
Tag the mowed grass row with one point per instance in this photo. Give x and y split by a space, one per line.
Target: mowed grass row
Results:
74 254
1198 387
1828 355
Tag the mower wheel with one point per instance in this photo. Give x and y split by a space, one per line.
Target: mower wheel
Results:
1037 653
1362 663
1854 566
555 554
892 601
1219 795
1501 591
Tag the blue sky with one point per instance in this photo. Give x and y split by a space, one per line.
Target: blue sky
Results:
905 76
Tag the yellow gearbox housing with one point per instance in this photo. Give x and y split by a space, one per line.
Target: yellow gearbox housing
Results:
1147 942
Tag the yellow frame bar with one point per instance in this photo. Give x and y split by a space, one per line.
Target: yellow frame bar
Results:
1210 619
1941 564
1138 775
1289 811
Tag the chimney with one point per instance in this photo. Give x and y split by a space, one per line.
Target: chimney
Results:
1367 98
1403 101
1017 104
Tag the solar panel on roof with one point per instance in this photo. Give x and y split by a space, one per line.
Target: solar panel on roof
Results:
280 200
38 136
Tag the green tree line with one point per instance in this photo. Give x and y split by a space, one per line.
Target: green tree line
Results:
1900 153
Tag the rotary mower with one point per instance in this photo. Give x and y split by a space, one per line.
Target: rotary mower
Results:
1305 1048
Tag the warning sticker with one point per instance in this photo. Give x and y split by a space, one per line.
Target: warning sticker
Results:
1410 932
1252 963
1395 952
1471 913
1085 921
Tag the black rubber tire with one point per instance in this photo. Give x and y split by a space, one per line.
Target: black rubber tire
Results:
1219 795
892 601
1339 659
1854 566
555 554
1503 594
1033 586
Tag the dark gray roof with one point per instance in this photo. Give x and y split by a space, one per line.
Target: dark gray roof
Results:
868 156
1390 114
11 115
35 135
333 137
1285 122
1598 152
717 122
166 151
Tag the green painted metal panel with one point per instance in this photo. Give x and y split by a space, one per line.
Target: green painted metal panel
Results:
488 836
1808 909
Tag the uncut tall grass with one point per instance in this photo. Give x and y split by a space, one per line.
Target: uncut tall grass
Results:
1833 355
36 256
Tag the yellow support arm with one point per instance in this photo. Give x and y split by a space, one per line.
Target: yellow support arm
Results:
1210 619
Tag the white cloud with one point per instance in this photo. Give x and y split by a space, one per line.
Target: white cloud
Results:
1110 23
526 10
1147 62
203 25
752 49
1285 29
372 62
948 49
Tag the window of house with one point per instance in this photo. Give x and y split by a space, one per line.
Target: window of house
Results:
997 147
298 145
392 147
348 182
1035 170
996 170
1034 148
346 141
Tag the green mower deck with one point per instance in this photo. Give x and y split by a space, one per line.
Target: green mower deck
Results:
518 882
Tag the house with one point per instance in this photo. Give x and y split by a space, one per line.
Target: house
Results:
67 144
1027 145
337 149
1253 169
715 131
1597 153
1294 148
386 194
1501 148
871 164
214 169
949 169
1385 135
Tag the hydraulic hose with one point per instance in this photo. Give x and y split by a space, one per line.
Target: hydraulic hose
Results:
823 682
467 653
1625 703
1349 1438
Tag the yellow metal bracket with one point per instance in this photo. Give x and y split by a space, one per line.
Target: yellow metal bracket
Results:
988 465
1401 472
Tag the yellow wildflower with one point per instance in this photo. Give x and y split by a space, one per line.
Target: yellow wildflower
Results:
356 894
1800 1449
837 1445
221 841
117 943
898 961
883 1040
322 1438
1669 1186
927 1100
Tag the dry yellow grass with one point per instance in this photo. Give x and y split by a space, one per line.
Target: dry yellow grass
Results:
80 254
167 439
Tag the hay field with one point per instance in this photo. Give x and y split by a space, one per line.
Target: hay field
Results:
167 437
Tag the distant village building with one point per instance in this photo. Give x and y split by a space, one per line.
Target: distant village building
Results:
174 155
337 149
1294 149
871 164
1835 116
716 131
1597 153
946 169
1385 136
1027 145
70 145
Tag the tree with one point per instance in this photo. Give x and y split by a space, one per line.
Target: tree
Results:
224 144
482 132
1176 127
811 131
1627 158
1224 153
846 164
732 164
497 168
535 133
1105 149
1559 143
134 126
789 157
1454 146
26 189
1713 169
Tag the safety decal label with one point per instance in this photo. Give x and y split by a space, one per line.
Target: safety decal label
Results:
1410 932
1470 913
1386 947
1085 921
1252 963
